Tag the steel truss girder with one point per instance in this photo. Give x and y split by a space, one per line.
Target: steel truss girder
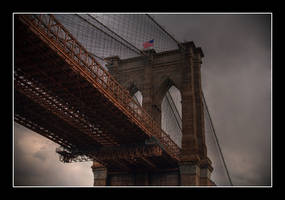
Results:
123 156
59 108
61 41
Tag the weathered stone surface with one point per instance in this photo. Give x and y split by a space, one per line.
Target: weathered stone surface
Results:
153 75
189 173
100 176
165 178
123 179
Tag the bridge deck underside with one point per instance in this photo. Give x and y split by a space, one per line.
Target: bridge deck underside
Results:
57 102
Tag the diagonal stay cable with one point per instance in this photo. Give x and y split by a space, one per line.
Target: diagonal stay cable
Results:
62 39
136 99
169 99
163 29
216 138
177 119
176 109
138 51
122 43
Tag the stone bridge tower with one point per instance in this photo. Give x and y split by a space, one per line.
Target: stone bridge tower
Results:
153 75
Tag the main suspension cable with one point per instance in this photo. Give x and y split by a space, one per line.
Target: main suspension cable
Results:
216 138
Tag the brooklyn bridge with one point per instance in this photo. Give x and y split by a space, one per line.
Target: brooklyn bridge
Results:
86 86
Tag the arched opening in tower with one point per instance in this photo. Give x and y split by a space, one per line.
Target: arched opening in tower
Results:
171 114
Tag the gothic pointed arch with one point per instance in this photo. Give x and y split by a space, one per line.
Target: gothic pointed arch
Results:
164 86
171 114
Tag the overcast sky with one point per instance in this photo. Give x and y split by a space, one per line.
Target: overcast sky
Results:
236 79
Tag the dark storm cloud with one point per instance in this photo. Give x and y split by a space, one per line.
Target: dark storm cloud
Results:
236 75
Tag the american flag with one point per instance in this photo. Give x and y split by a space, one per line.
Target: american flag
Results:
148 44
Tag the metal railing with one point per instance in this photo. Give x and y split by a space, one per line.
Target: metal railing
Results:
59 38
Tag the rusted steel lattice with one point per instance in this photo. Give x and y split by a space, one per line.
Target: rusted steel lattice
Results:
73 99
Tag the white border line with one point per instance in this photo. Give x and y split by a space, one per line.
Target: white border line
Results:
210 13
271 59
13 125
154 13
